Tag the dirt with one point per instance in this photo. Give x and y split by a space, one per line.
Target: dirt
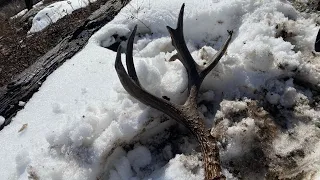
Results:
312 6
18 50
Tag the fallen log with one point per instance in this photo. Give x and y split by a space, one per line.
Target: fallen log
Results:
29 81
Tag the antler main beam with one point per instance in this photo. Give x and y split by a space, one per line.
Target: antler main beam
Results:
186 114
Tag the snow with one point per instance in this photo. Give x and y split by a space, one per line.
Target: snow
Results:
21 103
19 14
273 98
139 157
2 119
56 11
82 124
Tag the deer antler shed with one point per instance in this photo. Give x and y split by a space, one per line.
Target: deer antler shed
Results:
186 114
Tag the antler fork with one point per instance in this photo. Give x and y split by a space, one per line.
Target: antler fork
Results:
186 114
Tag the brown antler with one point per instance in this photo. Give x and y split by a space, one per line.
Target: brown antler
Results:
187 114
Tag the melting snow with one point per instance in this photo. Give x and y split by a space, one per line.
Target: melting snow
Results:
82 124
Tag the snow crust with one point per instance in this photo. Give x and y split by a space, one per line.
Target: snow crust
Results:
82 124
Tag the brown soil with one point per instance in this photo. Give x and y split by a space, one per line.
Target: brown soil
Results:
19 50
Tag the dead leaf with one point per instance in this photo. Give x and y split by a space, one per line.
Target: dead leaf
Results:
23 127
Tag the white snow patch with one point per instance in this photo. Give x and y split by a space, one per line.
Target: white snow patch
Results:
21 103
2 119
232 106
21 13
54 12
139 157
242 136
181 167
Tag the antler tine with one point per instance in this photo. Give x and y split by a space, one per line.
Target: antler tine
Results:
134 89
183 52
216 57
129 59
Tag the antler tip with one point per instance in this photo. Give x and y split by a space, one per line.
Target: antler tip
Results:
180 18
230 32
183 4
135 27
133 33
169 29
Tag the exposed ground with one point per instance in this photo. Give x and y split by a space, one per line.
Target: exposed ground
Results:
309 6
19 50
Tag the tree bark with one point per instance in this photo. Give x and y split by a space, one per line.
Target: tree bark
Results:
28 82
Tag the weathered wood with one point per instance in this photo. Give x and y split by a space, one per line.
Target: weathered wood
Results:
28 82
